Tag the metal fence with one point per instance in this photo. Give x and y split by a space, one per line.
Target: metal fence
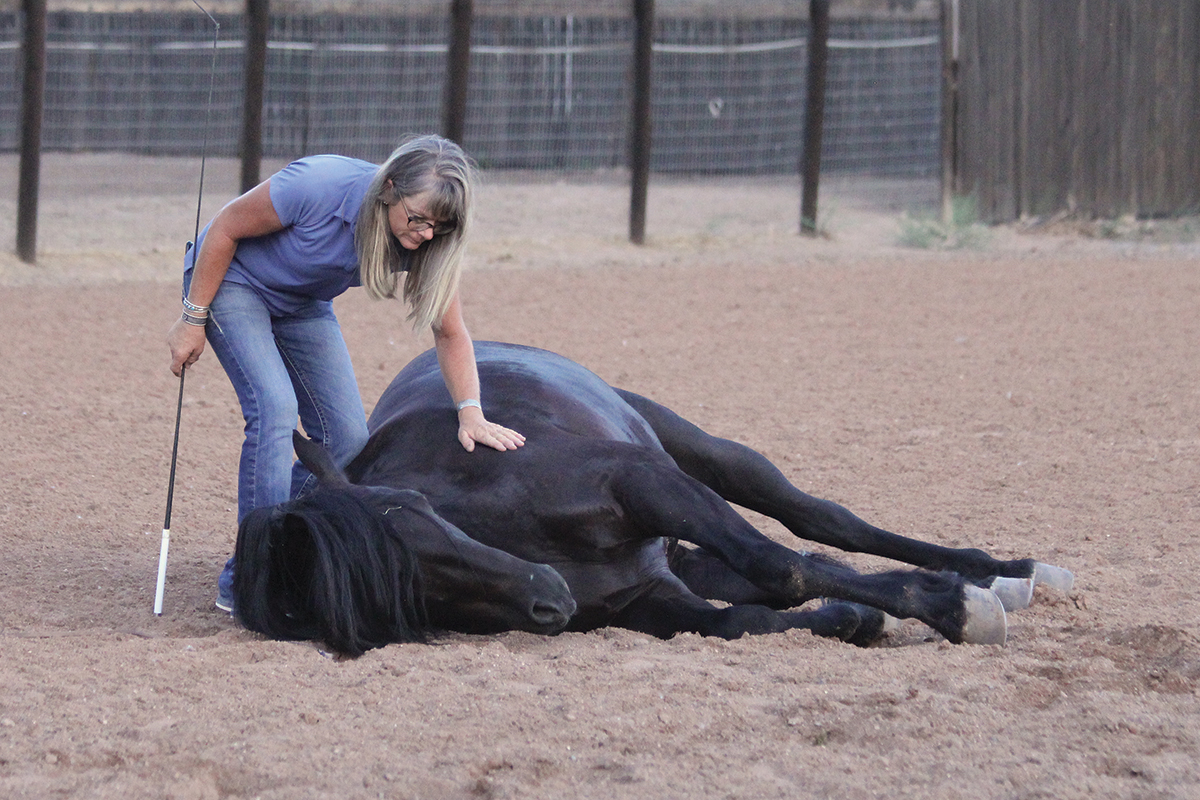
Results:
546 92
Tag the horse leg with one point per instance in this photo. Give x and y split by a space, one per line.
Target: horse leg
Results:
711 578
745 477
669 609
660 500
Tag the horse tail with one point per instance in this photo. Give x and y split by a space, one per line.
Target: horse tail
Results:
327 567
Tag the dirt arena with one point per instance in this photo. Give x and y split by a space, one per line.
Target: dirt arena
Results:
1036 396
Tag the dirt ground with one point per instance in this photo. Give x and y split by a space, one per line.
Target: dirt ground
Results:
1035 396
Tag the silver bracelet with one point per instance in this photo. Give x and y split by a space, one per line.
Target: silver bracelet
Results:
199 322
468 404
195 309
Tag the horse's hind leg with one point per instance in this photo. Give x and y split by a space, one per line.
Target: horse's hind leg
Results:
659 500
745 477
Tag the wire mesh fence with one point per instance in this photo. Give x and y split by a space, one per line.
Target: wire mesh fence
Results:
546 92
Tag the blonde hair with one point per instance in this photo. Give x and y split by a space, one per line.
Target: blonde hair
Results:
420 164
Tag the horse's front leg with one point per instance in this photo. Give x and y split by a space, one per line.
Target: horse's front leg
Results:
745 477
668 609
662 501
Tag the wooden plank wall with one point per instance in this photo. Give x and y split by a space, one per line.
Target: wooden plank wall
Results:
1083 106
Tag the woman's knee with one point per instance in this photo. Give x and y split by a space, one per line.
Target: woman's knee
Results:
347 441
271 408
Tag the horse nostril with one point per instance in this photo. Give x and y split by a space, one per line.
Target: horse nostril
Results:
551 615
551 605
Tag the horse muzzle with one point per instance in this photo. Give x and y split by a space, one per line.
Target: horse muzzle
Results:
551 604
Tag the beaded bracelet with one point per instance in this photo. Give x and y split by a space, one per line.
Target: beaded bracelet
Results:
195 309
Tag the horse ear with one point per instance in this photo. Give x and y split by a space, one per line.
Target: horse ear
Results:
318 460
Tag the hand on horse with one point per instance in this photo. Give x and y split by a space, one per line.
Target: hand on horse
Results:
473 427
186 343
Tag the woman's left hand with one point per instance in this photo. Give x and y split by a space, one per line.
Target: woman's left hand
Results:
473 427
456 357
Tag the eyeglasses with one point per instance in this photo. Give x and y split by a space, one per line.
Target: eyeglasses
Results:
421 224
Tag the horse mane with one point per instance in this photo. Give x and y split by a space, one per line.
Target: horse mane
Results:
327 567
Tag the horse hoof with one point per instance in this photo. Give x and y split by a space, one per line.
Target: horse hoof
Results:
873 625
1053 577
1014 593
986 622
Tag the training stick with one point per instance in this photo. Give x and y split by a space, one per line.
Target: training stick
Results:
166 534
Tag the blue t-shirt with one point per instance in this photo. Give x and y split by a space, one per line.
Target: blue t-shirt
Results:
313 258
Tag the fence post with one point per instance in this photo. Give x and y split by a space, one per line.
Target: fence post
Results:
258 17
458 64
814 112
33 96
949 122
640 136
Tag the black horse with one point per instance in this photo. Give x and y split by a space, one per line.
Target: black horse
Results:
615 512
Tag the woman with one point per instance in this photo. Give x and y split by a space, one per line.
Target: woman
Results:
260 290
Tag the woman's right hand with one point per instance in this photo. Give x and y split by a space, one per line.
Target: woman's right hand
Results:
251 214
186 343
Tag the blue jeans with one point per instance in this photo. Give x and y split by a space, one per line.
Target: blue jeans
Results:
284 368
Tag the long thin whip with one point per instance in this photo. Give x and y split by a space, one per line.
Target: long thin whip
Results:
165 546
166 534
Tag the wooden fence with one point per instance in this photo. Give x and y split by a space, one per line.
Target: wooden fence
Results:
1084 106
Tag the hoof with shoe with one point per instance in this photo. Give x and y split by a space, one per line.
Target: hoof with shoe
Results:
1052 577
986 621
1014 593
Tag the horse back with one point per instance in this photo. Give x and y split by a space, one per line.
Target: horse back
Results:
533 391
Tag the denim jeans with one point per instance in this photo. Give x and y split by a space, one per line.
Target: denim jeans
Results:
284 368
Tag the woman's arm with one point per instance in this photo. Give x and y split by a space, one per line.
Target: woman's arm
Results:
456 357
247 216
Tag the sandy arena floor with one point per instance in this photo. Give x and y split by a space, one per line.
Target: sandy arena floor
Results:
1038 396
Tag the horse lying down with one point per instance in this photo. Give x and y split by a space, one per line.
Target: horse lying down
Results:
615 512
